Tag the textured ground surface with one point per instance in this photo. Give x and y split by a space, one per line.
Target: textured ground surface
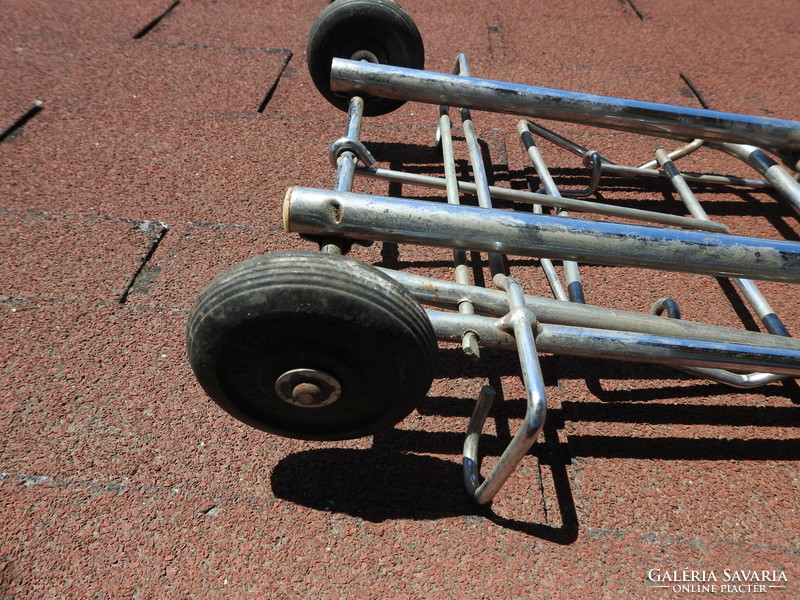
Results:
166 138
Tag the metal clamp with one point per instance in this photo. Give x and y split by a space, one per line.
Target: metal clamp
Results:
349 145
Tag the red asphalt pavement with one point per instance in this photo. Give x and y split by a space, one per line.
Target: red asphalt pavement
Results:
165 142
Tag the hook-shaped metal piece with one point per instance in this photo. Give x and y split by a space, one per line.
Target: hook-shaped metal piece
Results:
520 321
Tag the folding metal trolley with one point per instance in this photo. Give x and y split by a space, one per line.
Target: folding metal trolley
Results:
318 346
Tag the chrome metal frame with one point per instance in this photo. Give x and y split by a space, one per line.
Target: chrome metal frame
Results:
365 79
508 318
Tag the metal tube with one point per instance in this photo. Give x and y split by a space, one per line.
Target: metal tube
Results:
708 178
591 159
550 270
749 289
582 206
346 162
638 347
624 345
680 185
662 120
677 153
738 380
470 455
469 342
644 170
571 269
496 262
361 216
446 294
781 180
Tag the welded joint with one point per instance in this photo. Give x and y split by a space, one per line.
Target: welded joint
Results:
343 145
519 313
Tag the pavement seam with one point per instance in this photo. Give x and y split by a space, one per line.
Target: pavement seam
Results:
84 216
213 497
41 302
156 230
232 225
152 230
137 222
118 488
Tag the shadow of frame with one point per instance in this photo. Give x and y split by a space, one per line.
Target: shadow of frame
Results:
397 478
380 484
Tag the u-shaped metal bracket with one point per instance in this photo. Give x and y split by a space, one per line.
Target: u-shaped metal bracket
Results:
519 321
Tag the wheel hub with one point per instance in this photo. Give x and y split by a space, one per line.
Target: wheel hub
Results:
365 55
308 388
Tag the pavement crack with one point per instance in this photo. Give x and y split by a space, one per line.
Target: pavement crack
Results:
35 108
271 91
149 27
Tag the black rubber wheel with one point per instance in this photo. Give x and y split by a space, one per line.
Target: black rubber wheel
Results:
375 30
311 346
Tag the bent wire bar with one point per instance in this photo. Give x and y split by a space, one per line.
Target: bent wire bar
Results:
477 316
